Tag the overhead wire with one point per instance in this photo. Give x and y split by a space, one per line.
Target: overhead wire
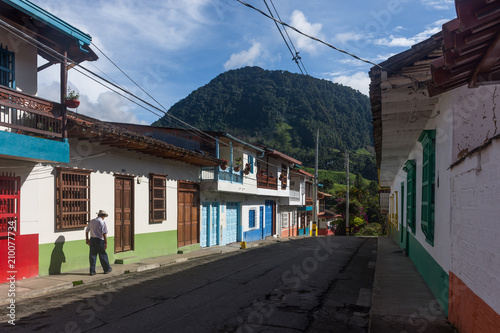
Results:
328 44
296 56
60 57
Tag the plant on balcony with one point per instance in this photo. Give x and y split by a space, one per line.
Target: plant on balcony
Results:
238 163
72 99
246 171
223 166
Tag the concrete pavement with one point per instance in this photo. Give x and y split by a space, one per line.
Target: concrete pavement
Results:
401 301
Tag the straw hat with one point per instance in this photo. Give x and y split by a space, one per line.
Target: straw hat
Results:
102 212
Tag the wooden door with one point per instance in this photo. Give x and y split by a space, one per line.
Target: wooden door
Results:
188 217
232 222
124 223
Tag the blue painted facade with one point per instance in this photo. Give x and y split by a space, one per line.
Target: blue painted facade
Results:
257 233
33 148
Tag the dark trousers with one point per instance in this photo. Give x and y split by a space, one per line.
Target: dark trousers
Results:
97 247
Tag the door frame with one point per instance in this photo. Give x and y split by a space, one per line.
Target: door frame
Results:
132 212
192 187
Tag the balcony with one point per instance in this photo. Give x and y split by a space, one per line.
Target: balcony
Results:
31 127
267 181
217 174
294 195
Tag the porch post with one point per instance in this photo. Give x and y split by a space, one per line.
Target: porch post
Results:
64 85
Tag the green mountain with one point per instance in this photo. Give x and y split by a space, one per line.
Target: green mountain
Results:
283 110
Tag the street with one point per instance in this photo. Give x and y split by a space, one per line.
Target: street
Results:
310 284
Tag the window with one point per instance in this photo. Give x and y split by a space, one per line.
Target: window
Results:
7 68
157 198
409 168
427 138
250 161
251 218
73 198
9 204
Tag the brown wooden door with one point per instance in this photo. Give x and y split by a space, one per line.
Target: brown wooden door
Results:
188 217
124 223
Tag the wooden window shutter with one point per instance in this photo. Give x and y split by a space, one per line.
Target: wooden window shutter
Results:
409 168
73 198
157 198
428 182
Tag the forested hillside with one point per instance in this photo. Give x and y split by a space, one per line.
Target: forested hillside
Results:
282 110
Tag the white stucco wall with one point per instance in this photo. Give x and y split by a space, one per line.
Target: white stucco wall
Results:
39 191
25 62
441 251
475 195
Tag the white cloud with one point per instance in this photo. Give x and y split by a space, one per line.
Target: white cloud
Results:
398 28
299 21
397 41
438 4
348 37
244 58
359 81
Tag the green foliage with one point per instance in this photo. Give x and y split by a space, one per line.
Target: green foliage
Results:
283 110
372 229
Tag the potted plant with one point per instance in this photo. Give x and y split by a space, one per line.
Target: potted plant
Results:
238 163
246 171
72 99
223 166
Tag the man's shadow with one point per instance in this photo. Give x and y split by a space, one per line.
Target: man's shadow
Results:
57 257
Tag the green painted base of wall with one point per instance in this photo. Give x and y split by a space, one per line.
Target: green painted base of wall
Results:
189 248
435 277
69 256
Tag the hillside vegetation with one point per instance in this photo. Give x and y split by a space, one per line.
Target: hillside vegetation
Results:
283 110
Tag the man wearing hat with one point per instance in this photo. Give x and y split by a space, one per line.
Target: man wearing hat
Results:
98 242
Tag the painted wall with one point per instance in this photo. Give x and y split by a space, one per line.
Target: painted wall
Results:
475 230
25 62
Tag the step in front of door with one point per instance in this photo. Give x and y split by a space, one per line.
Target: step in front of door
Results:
128 260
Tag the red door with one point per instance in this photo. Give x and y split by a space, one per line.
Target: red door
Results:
188 217
124 223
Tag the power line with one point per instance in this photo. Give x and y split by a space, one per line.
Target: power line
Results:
296 56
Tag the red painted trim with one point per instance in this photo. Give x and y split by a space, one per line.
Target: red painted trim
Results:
23 252
468 312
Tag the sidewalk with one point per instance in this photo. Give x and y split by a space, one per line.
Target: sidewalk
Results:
41 285
401 300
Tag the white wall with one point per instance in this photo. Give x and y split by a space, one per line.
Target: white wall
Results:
475 197
105 163
25 62
441 251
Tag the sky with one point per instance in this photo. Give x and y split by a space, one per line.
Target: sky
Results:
172 47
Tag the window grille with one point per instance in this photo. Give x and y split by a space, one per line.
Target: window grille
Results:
251 218
7 67
10 191
73 198
157 198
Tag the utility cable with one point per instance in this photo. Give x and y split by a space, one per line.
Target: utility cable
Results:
284 39
296 56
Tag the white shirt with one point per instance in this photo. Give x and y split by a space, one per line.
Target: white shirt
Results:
97 228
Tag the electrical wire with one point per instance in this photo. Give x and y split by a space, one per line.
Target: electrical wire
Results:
296 56
60 57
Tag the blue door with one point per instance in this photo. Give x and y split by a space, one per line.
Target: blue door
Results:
214 224
232 222
262 222
269 218
205 220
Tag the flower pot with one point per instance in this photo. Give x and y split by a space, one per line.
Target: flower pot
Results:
223 166
236 169
72 103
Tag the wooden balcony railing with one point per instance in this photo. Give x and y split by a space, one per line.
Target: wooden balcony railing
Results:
30 115
265 181
309 201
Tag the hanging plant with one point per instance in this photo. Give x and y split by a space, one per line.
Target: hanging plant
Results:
72 99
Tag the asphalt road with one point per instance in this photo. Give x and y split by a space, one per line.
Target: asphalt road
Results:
313 284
